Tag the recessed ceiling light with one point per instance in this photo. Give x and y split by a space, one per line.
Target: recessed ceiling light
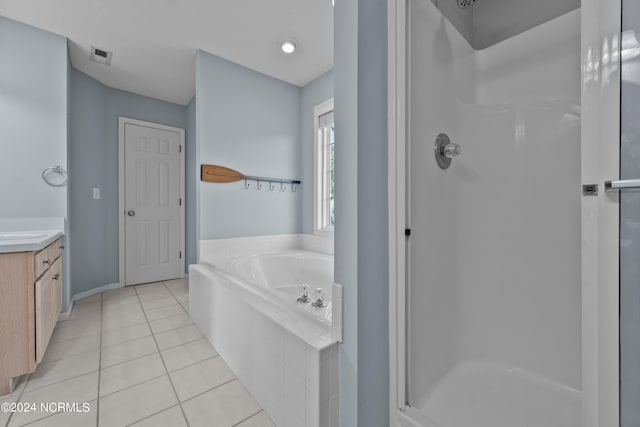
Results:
288 46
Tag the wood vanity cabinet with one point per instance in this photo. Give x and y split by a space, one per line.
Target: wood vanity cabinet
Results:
30 303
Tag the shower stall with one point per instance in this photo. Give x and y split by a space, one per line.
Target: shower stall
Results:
494 323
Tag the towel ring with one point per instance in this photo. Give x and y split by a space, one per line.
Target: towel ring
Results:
57 170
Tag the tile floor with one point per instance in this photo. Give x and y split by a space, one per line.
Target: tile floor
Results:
136 358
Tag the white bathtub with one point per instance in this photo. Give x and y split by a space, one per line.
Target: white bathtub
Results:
281 350
281 274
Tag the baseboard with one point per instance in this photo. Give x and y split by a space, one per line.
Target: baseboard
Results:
91 292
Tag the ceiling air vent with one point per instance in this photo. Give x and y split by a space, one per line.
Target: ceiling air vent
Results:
100 56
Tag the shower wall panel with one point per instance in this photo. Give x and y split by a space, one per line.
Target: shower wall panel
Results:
495 242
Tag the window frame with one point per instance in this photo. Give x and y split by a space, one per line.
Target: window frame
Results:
318 195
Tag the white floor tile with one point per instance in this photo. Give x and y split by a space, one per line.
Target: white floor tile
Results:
153 293
202 376
159 302
162 312
224 406
188 354
128 351
63 369
178 336
261 419
121 320
130 373
77 418
169 323
88 300
72 347
171 417
80 389
75 328
119 293
125 334
136 403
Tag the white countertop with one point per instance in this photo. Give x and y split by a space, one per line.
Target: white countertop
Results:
27 241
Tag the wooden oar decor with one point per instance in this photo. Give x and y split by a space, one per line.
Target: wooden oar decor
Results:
221 174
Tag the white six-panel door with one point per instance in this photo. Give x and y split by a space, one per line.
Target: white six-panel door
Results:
152 204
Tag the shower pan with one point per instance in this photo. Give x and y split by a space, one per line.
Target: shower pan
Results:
494 318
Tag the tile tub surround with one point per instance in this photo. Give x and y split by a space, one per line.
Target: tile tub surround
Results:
287 363
136 358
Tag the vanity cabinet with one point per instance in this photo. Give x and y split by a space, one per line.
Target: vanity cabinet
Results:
30 303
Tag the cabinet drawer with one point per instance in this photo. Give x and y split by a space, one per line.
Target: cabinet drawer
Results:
46 257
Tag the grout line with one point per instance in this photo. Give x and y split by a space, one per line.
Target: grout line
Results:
19 398
149 416
128 360
182 343
163 362
70 355
61 381
248 418
127 341
193 364
212 388
124 326
30 423
99 363
133 385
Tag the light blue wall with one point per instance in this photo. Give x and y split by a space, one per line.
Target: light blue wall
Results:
95 109
191 184
373 220
361 251
346 204
33 119
33 123
314 93
251 123
88 218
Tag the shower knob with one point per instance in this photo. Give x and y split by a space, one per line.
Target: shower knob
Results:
451 150
445 150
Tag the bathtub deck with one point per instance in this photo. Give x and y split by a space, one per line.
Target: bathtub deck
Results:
489 395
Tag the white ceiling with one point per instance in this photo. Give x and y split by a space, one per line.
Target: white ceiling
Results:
154 41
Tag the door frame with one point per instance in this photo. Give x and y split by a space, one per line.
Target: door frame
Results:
600 160
122 121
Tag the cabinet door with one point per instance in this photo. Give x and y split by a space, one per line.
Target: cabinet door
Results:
47 291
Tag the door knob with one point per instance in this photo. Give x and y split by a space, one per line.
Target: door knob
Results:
131 213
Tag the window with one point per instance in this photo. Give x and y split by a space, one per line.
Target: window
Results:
324 170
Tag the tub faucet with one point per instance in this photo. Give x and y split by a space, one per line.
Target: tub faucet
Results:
303 294
318 298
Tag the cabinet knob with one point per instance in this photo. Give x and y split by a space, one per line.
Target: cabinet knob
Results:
55 276
46 261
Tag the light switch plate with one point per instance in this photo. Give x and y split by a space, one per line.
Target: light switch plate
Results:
96 193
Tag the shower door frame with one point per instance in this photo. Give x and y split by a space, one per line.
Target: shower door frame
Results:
601 26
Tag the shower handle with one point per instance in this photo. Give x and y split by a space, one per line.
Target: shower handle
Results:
451 150
619 185
445 150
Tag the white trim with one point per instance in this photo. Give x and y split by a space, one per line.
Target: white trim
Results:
397 206
318 110
122 121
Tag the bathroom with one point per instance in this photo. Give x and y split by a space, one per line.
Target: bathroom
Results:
482 268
